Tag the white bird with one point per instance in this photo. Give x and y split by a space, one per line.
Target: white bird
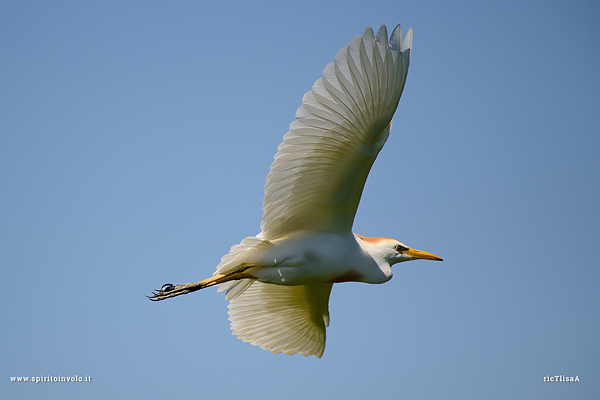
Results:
279 281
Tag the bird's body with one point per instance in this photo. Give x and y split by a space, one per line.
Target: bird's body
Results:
306 257
279 281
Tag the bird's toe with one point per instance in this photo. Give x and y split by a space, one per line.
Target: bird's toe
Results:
167 287
167 290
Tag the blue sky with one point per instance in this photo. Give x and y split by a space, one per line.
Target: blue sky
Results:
135 138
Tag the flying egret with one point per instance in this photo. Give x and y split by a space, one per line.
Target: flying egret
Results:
278 282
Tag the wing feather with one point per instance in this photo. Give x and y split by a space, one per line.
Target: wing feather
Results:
315 182
320 168
282 319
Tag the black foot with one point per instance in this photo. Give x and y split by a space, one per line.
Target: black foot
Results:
169 290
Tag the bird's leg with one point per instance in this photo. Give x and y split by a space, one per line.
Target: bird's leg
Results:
169 290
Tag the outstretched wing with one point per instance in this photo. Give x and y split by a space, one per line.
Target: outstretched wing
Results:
319 171
282 319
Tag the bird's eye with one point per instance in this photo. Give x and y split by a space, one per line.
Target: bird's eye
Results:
400 248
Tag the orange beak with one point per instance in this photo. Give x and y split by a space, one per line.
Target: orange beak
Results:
418 254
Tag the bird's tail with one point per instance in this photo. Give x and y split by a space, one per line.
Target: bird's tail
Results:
232 261
232 273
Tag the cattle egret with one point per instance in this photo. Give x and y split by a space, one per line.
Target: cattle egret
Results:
278 282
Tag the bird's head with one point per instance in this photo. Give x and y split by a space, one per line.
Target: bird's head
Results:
393 251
